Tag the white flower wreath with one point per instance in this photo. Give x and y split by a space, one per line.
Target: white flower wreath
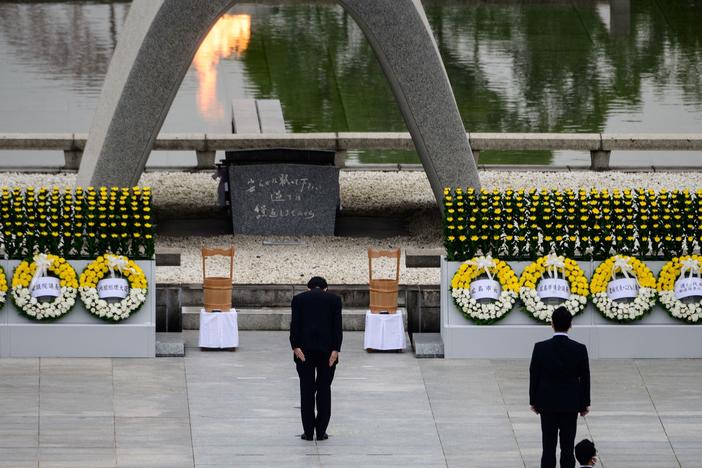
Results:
631 268
113 311
670 273
27 274
552 265
484 314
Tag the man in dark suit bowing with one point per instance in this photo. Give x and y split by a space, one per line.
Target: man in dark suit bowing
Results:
559 389
315 337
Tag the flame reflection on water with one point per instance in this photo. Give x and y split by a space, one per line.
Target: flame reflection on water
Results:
230 35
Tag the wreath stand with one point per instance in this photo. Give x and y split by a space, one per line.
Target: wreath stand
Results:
657 335
80 333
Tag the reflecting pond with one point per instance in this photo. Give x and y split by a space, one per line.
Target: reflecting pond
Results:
560 66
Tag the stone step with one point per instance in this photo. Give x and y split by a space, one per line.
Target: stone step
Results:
428 345
170 344
253 296
275 318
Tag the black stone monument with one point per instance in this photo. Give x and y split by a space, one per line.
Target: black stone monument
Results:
282 192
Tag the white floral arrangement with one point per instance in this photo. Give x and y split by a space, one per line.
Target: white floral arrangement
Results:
630 268
670 274
127 269
468 272
26 276
550 267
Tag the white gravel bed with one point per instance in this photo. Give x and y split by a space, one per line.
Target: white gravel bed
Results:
340 260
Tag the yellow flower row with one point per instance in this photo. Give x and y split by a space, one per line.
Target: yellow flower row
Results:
603 274
671 271
98 269
468 272
533 273
59 267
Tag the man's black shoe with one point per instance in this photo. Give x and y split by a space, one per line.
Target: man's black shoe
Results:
306 437
323 436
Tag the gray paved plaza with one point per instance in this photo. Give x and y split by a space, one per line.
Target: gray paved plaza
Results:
241 409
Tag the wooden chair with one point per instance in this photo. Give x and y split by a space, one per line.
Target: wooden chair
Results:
217 289
383 292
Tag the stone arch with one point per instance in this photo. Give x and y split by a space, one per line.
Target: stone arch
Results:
161 37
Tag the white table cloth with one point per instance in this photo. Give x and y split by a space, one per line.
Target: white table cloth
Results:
384 331
218 329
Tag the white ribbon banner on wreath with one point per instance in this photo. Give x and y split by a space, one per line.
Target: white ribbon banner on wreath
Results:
46 286
113 287
623 288
485 289
42 285
692 284
553 286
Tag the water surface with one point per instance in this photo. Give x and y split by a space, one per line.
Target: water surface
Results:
568 66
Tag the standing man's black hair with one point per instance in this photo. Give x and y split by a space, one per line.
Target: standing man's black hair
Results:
317 282
561 319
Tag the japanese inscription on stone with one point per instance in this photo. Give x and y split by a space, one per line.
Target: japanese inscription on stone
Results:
284 199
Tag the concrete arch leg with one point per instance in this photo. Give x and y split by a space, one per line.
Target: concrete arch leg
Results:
160 39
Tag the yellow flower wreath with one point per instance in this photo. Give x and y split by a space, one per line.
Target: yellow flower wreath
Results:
21 295
617 311
670 273
484 314
115 311
533 273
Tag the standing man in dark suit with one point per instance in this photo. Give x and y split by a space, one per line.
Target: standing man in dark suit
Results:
315 337
559 389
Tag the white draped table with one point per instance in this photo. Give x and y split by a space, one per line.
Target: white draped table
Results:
218 329
384 331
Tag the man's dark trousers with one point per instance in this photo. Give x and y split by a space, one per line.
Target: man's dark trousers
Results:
315 385
551 424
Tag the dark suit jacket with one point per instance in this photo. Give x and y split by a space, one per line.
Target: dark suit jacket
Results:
316 321
559 376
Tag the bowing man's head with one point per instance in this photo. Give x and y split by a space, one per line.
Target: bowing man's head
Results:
561 320
317 282
585 453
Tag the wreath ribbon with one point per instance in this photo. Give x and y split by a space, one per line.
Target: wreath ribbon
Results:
115 262
553 264
43 263
690 265
484 263
623 265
